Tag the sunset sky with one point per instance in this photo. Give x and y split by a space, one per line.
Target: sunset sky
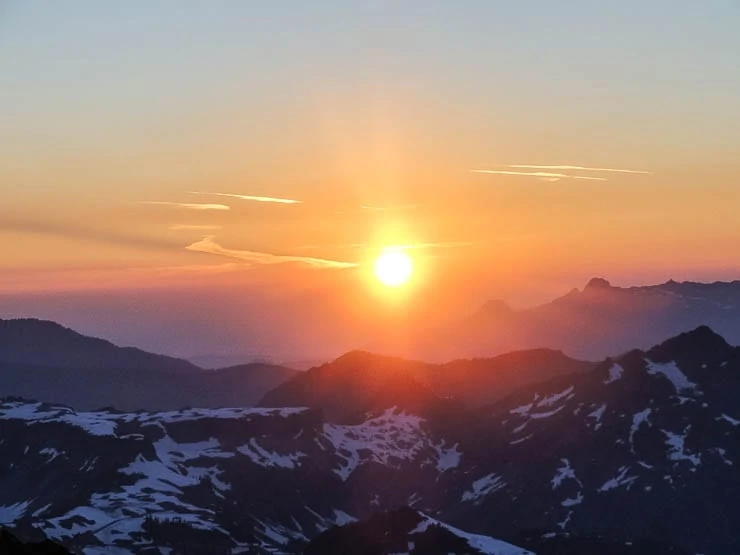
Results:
192 150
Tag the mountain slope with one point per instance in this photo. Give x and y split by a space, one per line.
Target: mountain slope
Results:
43 360
406 531
33 342
643 447
652 436
10 545
358 381
142 389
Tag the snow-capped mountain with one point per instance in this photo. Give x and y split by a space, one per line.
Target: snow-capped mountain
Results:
645 446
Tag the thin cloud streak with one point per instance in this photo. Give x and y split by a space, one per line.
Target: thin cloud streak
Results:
187 205
578 168
549 176
210 246
71 230
275 200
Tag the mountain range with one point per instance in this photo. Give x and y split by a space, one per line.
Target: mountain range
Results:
592 323
639 450
43 360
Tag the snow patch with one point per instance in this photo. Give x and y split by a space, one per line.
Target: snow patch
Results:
678 450
392 436
447 458
615 373
483 487
620 480
638 420
577 500
564 472
552 399
522 410
484 544
597 415
10 513
729 419
672 373
266 458
518 441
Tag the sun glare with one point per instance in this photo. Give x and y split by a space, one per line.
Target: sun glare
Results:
393 267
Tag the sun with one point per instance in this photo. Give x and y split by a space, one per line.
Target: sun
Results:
393 267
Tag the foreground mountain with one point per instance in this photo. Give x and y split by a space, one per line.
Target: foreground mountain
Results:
592 323
10 545
43 360
643 448
409 532
359 382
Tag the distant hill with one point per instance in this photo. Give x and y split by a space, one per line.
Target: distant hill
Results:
358 381
45 361
595 322
42 343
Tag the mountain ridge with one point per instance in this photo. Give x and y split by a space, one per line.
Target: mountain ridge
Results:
353 383
589 323
635 449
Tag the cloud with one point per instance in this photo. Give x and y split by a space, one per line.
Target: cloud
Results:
579 168
194 227
209 245
187 205
252 198
74 231
548 176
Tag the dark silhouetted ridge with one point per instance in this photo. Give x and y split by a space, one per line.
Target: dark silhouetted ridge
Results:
10 545
45 343
700 342
598 283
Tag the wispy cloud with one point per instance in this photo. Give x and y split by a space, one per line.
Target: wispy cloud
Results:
578 168
187 205
194 227
72 230
549 176
210 246
275 200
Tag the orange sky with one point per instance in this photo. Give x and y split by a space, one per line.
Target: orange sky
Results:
374 121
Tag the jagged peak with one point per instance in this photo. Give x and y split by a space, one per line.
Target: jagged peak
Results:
702 340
